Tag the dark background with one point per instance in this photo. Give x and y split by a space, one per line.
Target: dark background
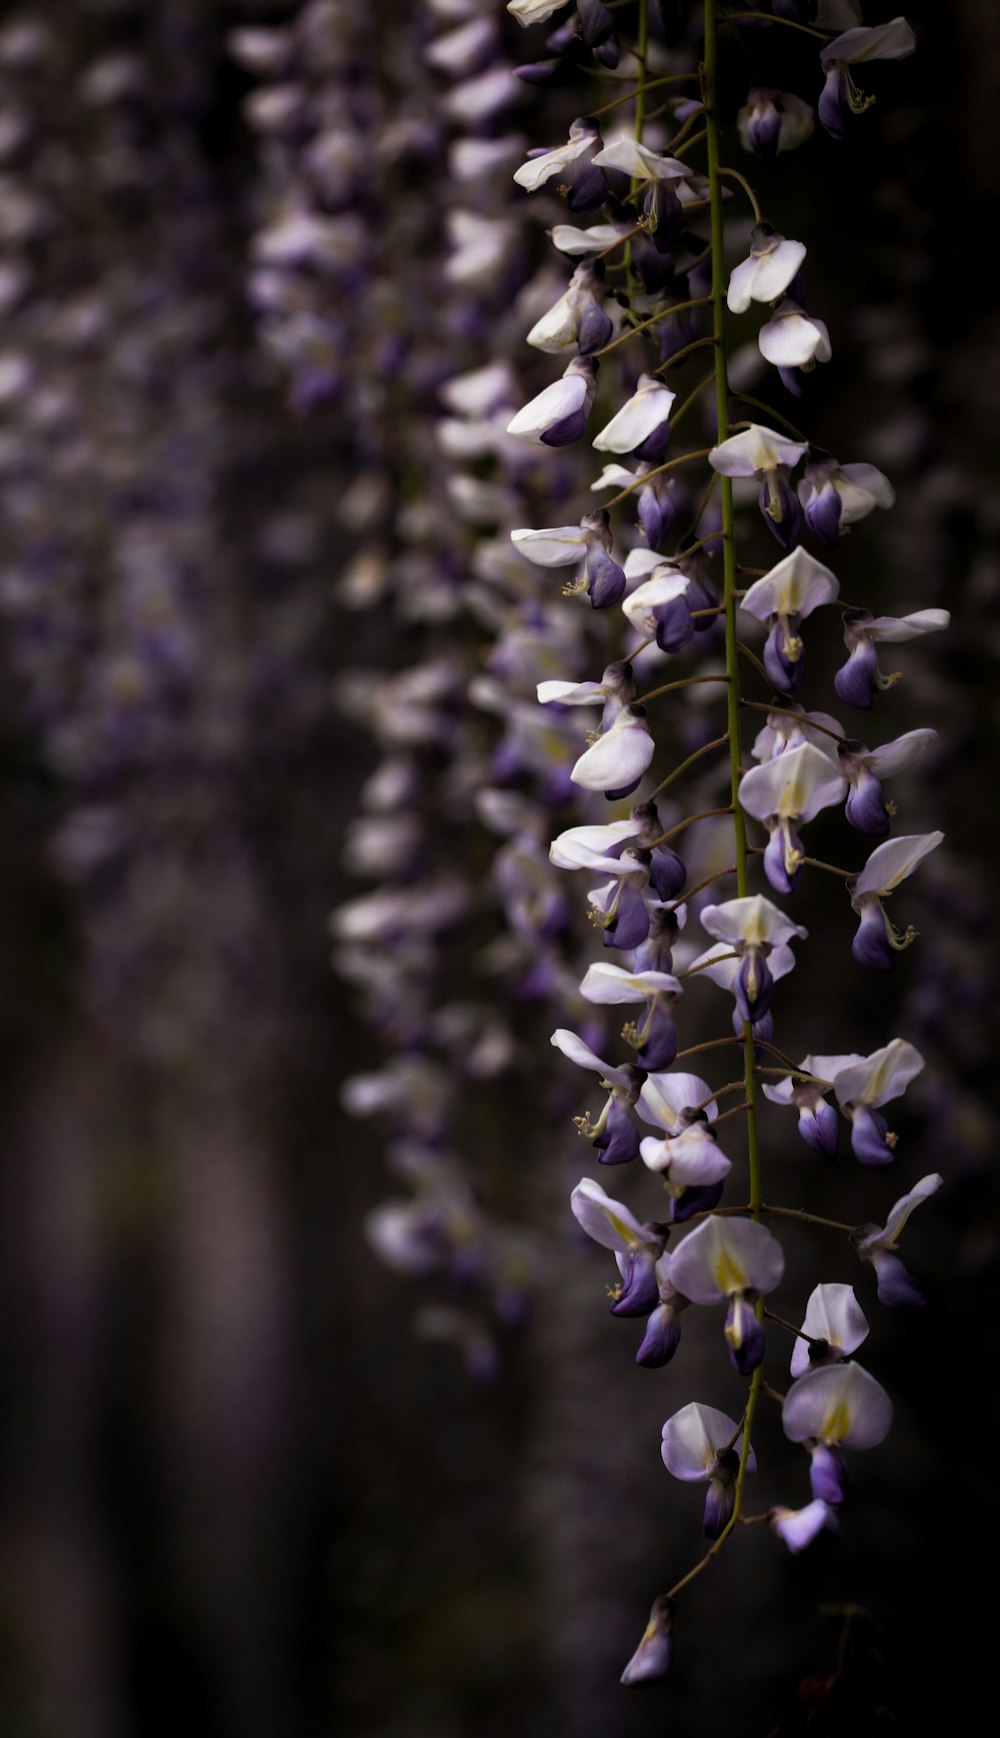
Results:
239 1497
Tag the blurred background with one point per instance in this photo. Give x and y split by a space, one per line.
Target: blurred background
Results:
240 1496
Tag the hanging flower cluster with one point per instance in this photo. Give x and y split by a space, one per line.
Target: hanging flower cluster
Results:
658 207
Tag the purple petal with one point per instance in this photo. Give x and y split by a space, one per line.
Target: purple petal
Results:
639 1291
618 1142
605 579
828 1476
785 675
661 1339
720 1500
744 1336
855 680
774 862
870 946
752 986
897 1288
630 925
667 873
864 807
833 108
674 627
819 1128
823 515
868 1132
781 509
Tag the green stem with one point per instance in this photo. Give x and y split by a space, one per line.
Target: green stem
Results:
640 122
772 18
710 93
654 320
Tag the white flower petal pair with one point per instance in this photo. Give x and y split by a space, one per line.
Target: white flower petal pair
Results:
693 1439
767 273
755 451
724 1257
838 1405
793 787
618 759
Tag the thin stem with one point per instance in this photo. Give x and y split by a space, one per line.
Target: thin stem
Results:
673 149
689 549
689 893
752 658
691 970
654 320
689 144
769 1316
688 402
680 355
641 54
689 821
678 770
638 90
737 175
758 404
809 1218
786 712
773 18
709 1044
732 1086
702 505
683 682
831 868
737 1110
681 459
622 240
772 1393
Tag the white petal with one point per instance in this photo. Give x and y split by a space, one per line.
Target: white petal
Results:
588 847
839 1404
556 330
640 562
570 693
891 863
665 1096
768 277
725 1256
901 1210
615 477
632 158
608 1222
796 586
577 1051
880 1077
533 11
665 585
898 756
895 629
618 759
691 1159
606 983
793 786
576 242
723 971
559 546
892 41
753 919
692 1439
561 399
754 450
537 170
861 487
793 339
834 1314
648 407
799 1527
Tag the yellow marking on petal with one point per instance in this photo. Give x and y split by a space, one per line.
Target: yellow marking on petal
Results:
837 1423
622 1229
728 1274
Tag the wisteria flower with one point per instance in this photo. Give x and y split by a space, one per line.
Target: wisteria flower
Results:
877 938
836 1326
597 238
637 1247
615 1133
558 415
857 681
840 97
782 732
807 1090
800 1527
690 1159
654 1655
615 689
618 907
865 768
795 587
753 929
592 847
582 184
773 121
835 1407
659 608
617 761
773 265
630 157
761 452
699 1445
529 12
577 318
735 1261
877 1244
564 545
654 1038
784 794
642 426
834 497
794 342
